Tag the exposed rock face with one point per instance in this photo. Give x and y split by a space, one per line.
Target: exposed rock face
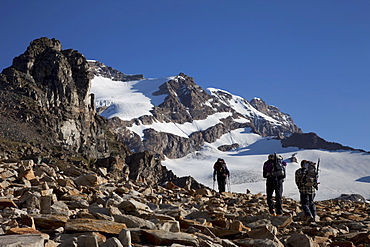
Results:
311 141
265 127
52 208
144 166
45 100
100 69
185 101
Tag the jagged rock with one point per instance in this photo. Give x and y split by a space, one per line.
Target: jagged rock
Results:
160 237
100 69
27 220
132 207
225 148
188 182
49 221
87 241
6 202
91 225
60 208
341 244
144 166
169 225
52 83
125 237
67 239
258 243
311 141
300 240
351 197
90 179
30 240
112 242
264 127
263 232
361 238
26 231
134 222
45 204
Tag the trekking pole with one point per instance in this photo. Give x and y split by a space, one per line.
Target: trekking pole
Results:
229 185
317 174
213 187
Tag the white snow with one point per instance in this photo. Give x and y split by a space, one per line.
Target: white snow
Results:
183 130
341 172
127 100
241 105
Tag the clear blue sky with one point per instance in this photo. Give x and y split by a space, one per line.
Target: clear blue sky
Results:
311 59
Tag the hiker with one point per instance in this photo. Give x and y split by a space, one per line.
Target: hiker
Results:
221 172
274 172
307 188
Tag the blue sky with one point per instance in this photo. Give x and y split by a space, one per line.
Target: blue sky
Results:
311 59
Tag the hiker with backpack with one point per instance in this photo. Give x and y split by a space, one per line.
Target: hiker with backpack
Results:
222 173
306 180
274 172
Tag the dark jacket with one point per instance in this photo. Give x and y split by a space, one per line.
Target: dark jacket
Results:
220 170
268 168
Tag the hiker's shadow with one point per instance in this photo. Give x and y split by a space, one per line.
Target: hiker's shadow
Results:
364 179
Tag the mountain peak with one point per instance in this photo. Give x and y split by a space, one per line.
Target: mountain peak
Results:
46 94
187 117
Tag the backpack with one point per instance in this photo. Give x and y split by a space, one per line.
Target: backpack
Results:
278 169
310 174
221 169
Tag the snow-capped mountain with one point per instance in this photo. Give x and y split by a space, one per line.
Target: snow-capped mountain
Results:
192 127
174 116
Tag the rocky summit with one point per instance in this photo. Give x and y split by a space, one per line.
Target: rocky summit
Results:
46 205
46 106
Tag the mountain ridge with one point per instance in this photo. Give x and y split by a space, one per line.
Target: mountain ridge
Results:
186 102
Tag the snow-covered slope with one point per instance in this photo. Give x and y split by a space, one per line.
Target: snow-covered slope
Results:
341 171
127 100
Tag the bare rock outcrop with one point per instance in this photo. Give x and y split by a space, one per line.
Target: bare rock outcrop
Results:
46 102
311 141
100 69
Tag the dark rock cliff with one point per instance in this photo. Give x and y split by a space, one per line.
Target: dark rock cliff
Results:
100 69
312 141
45 99
265 128
47 112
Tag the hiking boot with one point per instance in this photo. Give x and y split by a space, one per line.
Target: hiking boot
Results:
316 219
308 220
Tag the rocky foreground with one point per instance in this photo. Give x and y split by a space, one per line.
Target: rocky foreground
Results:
49 205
